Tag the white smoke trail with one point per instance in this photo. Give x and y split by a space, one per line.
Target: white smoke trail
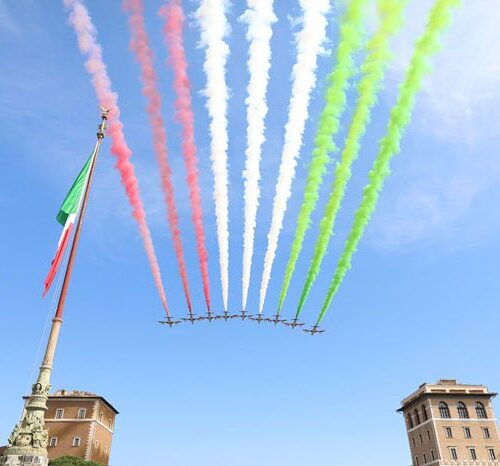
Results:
260 17
309 43
213 24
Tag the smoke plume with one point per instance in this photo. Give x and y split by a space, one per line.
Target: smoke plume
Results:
90 48
173 15
351 35
211 17
427 45
378 49
260 17
140 46
309 42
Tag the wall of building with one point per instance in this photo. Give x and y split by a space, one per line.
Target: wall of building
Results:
422 436
459 441
428 436
103 434
69 427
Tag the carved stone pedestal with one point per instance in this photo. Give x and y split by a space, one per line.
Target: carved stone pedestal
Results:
28 441
24 460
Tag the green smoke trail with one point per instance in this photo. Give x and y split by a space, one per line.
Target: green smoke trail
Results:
427 45
351 35
378 56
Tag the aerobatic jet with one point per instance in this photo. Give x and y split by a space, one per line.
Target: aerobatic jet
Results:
277 320
259 318
243 315
208 317
191 318
294 323
226 316
315 329
170 322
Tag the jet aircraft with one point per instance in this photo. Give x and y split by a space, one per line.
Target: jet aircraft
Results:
170 322
294 323
315 329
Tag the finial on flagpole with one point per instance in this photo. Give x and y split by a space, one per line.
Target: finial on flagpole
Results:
104 118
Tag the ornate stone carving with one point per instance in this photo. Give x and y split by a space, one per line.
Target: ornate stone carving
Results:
40 438
13 436
30 433
39 390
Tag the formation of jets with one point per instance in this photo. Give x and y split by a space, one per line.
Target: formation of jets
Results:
259 318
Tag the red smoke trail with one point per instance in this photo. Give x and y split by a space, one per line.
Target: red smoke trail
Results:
174 23
87 42
140 45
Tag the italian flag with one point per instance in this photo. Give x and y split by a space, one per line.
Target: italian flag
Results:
67 216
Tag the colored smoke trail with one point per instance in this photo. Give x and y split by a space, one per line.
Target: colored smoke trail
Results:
427 45
140 46
351 35
173 15
260 17
309 42
90 48
211 16
373 68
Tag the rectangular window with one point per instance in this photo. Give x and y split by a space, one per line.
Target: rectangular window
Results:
82 412
472 453
76 441
428 435
432 455
416 461
421 439
414 443
59 413
491 452
467 432
448 432
53 442
486 432
453 453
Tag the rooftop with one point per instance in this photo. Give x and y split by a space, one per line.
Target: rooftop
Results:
75 394
445 387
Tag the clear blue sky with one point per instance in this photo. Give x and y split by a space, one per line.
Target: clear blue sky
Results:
420 303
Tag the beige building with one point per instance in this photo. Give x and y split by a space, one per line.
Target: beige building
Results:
80 424
451 424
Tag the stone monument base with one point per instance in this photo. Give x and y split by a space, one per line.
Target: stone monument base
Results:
24 460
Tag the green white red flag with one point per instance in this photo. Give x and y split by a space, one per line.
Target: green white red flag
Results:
67 215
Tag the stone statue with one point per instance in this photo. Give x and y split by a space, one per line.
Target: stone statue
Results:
30 432
40 438
13 436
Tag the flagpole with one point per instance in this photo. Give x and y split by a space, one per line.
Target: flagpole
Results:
57 320
29 438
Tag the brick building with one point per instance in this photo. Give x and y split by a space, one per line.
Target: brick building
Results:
80 424
451 424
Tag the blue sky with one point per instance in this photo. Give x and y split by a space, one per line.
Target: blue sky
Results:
419 304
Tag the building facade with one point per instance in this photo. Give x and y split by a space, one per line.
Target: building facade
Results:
80 424
451 424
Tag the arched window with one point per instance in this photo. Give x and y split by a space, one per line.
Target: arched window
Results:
416 416
481 411
410 421
444 411
424 413
462 411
